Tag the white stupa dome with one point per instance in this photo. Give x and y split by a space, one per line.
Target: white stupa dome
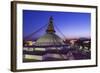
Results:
49 39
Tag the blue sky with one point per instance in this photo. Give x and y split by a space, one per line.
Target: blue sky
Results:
71 24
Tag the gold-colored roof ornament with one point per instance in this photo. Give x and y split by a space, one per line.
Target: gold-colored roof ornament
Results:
50 28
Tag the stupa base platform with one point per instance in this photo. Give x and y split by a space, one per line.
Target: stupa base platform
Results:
54 55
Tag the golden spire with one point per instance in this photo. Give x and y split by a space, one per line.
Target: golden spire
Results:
50 28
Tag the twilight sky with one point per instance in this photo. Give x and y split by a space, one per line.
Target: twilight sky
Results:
71 24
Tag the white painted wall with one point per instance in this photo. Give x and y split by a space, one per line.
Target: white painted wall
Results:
5 37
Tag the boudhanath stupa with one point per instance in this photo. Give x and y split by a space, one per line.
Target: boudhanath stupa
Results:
48 47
